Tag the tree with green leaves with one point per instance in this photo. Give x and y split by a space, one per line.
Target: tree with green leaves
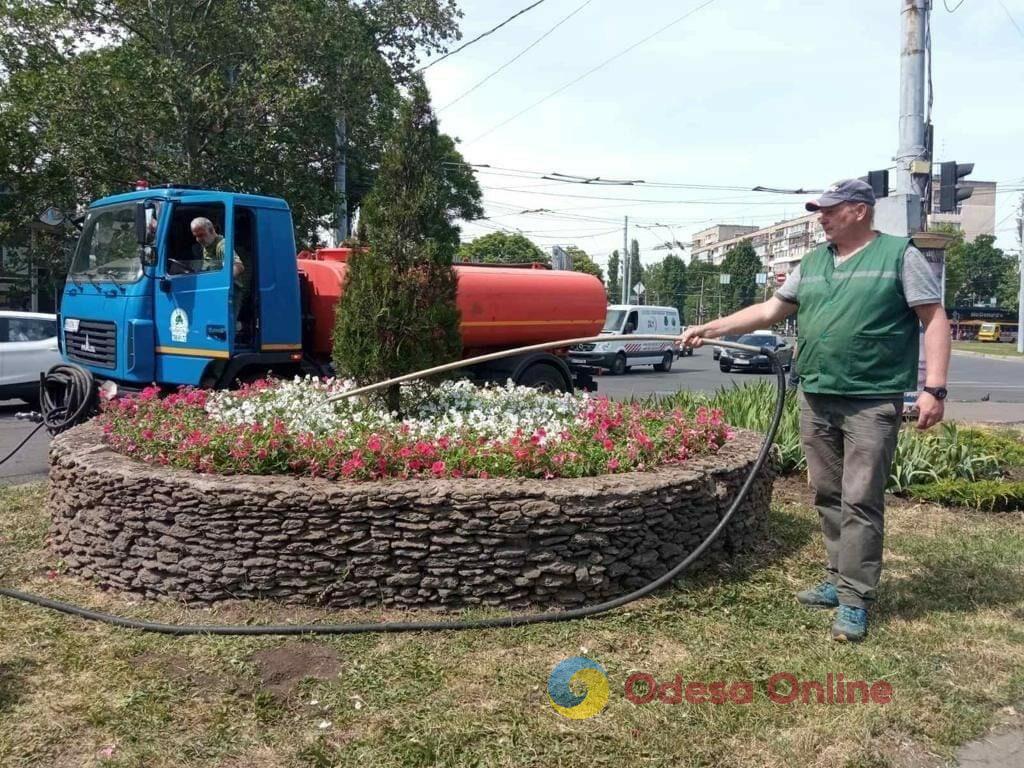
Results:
702 296
242 96
581 262
502 248
742 264
666 284
398 311
980 272
614 284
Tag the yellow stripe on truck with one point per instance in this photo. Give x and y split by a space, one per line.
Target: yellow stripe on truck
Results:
192 352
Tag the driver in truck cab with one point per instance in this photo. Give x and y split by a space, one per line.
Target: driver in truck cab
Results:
208 256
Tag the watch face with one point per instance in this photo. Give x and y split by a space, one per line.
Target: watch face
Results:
938 392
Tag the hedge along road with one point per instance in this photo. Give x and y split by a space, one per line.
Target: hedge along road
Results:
972 378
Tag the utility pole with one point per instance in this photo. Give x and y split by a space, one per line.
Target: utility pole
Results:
626 259
913 167
700 302
1020 270
341 144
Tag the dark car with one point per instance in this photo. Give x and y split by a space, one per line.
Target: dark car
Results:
716 352
752 361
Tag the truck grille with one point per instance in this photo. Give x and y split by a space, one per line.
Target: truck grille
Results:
95 342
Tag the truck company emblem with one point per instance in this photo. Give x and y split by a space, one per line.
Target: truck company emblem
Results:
179 325
86 346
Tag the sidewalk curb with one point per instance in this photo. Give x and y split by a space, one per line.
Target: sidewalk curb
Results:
1008 358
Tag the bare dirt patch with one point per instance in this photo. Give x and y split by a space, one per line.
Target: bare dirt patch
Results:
283 668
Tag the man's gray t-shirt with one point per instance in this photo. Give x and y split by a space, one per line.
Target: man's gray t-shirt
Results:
920 283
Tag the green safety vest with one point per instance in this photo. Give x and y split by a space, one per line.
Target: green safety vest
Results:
857 336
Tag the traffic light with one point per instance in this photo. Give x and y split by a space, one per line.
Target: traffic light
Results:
951 192
879 181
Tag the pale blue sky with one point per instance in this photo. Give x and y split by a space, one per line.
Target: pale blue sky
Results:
784 93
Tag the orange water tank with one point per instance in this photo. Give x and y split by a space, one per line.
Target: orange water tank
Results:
501 307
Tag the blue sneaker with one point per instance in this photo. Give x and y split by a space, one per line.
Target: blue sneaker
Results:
851 624
822 596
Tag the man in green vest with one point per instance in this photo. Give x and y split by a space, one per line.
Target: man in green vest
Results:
859 300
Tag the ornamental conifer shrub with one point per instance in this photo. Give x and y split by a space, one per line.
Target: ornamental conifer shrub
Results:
398 312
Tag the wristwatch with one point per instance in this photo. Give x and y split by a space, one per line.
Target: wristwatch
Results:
939 393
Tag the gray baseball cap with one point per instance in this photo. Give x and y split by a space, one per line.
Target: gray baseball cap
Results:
845 191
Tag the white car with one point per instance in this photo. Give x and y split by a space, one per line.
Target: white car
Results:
28 347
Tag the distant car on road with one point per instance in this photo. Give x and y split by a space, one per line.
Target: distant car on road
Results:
28 347
751 361
716 352
682 350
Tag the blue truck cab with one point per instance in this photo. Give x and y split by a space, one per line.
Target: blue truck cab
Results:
143 304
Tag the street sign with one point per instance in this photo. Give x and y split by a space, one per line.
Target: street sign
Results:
762 278
725 278
638 289
780 278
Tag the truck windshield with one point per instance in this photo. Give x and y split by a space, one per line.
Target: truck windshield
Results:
613 320
107 248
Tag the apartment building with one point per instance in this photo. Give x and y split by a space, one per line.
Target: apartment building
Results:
974 216
782 245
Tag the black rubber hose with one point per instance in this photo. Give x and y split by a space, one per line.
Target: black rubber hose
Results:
441 626
18 448
67 396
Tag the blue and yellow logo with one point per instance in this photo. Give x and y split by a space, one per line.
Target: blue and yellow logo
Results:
582 671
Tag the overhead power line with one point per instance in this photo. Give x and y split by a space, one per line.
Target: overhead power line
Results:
516 58
561 178
1012 20
479 37
591 71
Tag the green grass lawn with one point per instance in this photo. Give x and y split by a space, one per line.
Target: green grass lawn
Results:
988 348
947 635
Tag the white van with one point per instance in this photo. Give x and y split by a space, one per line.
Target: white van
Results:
620 356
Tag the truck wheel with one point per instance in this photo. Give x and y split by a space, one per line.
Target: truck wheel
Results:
665 364
545 378
619 366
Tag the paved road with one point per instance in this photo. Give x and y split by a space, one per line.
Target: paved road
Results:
971 379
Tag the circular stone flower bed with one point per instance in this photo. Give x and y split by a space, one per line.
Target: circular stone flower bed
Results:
497 498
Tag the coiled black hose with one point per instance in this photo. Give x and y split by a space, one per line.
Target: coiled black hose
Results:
515 620
67 396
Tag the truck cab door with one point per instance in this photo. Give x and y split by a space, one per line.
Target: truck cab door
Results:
192 306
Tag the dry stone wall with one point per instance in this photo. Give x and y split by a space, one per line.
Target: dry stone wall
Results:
449 544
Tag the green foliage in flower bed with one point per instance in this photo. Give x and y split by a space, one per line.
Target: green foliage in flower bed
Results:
946 454
982 495
751 407
453 430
